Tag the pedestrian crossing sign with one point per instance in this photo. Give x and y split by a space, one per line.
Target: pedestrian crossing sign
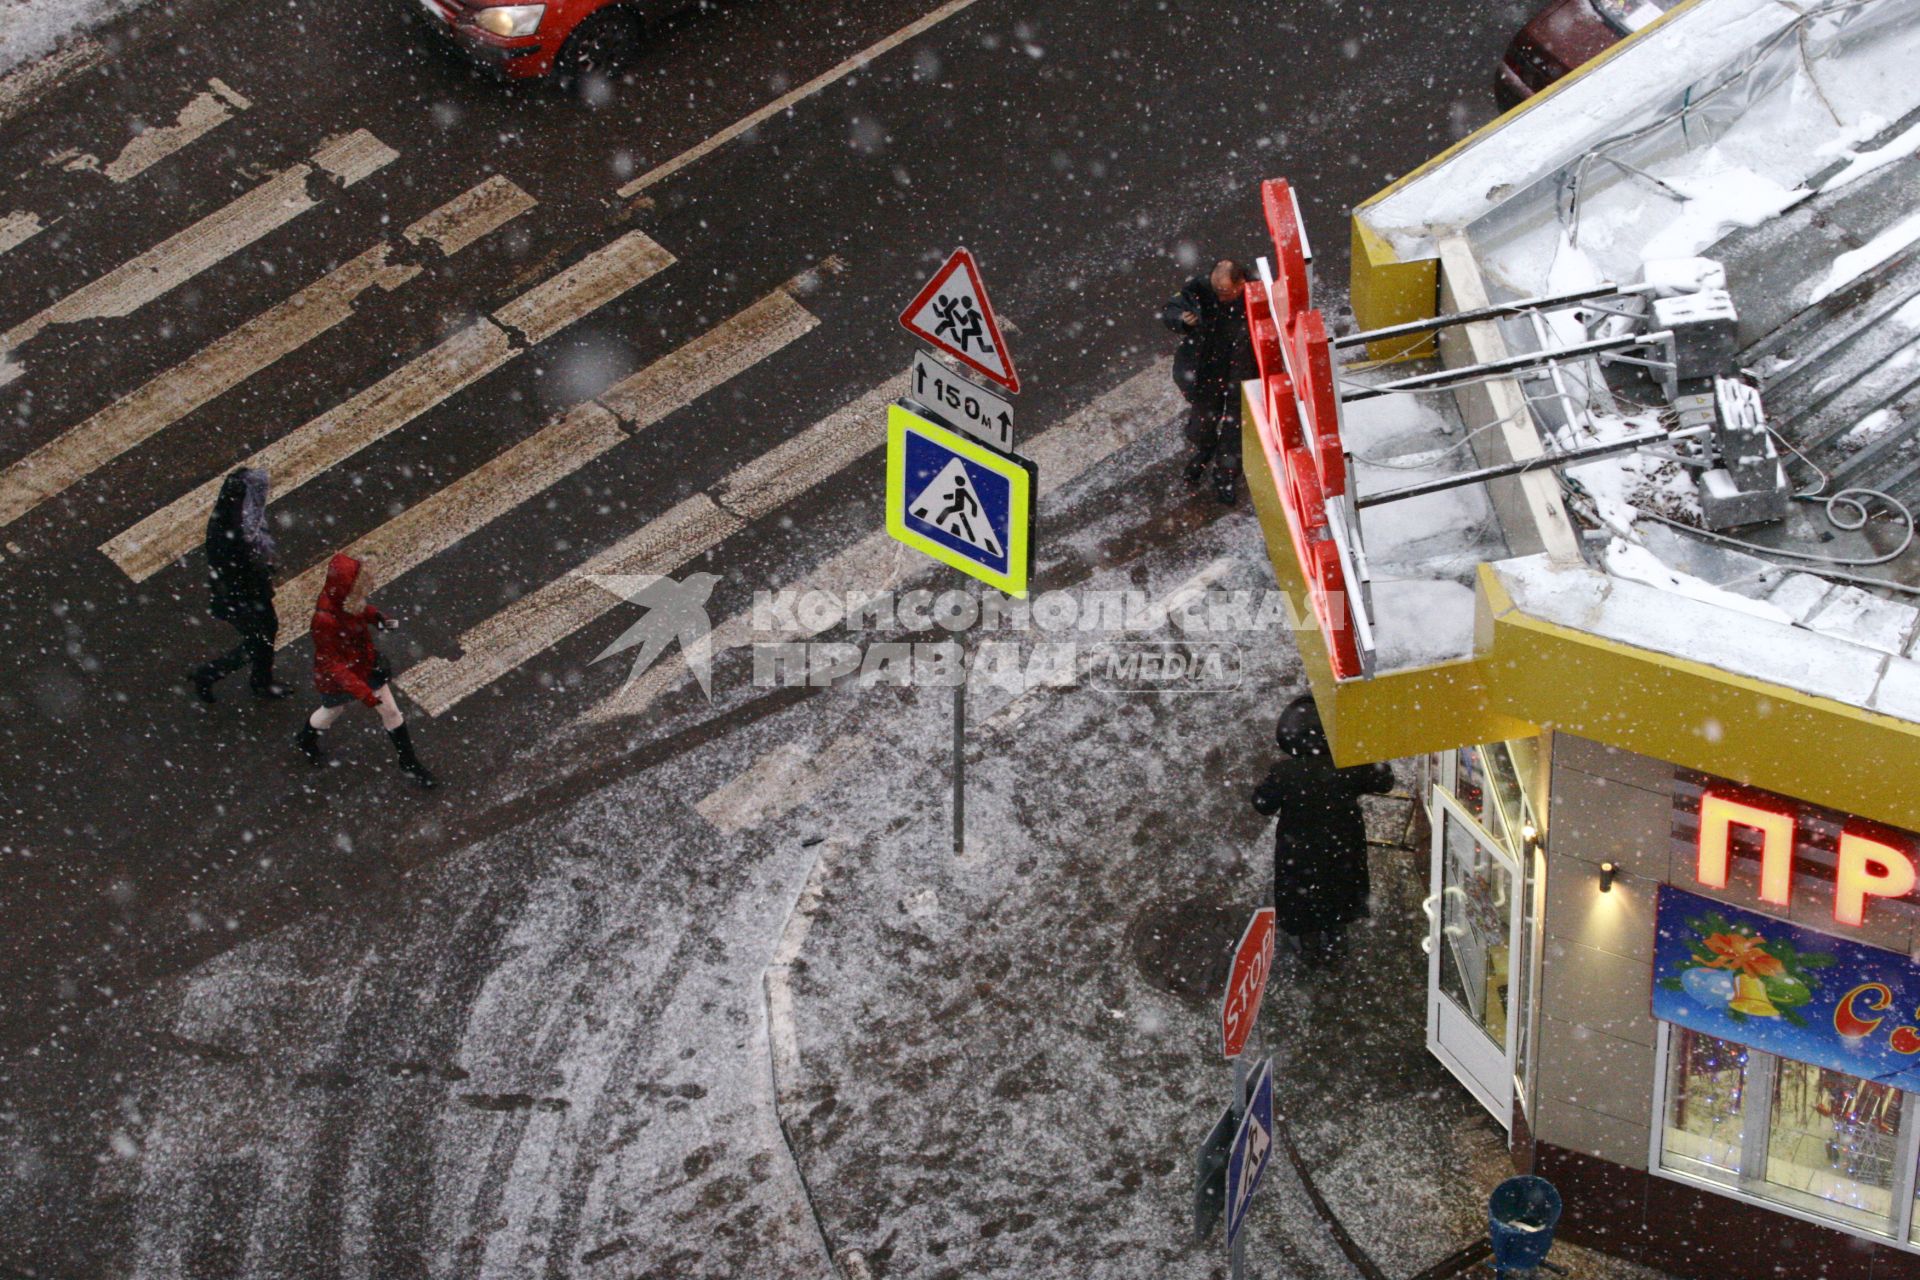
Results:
958 501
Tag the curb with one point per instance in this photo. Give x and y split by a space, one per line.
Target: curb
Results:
783 1049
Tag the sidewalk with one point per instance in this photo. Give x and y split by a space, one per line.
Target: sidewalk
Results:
1000 1064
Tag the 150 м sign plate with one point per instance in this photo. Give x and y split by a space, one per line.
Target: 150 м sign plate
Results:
960 403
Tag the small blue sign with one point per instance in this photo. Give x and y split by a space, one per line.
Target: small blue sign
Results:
1808 996
1252 1151
958 501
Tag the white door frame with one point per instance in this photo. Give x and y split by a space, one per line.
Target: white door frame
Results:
1452 1034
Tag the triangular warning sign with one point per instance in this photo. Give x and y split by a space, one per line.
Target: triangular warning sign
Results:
953 313
951 505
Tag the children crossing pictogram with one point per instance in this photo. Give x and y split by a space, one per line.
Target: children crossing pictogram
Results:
952 312
951 505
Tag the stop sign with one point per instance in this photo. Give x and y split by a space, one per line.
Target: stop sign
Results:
1252 961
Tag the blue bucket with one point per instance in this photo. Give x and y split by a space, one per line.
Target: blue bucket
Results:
1521 1215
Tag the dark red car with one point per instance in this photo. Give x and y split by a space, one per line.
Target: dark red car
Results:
529 40
1562 36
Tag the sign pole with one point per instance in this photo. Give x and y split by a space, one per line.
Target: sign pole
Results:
1237 1252
960 759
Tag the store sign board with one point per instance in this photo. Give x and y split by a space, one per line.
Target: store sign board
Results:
1720 824
1247 982
1777 987
1299 401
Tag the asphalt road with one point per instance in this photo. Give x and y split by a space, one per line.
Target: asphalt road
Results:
1089 153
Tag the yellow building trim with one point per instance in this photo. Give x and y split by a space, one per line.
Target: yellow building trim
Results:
1701 716
1527 674
1384 290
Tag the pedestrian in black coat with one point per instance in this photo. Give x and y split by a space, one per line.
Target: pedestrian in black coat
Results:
1215 357
240 563
1320 880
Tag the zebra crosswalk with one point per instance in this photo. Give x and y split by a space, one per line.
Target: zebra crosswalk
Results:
249 349
73 467
347 159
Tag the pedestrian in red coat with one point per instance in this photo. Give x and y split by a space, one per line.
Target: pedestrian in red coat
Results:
346 666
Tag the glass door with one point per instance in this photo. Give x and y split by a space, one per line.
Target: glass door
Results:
1473 939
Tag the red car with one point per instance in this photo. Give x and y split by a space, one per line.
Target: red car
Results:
1562 36
525 41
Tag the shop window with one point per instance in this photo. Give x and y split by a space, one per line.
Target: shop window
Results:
1706 1106
1823 1143
1833 1142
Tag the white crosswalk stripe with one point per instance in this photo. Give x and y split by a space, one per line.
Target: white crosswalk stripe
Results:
228 361
455 512
779 782
400 397
543 618
878 563
204 112
181 257
18 228
513 478
563 447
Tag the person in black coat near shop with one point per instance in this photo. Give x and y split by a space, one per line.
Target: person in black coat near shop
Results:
1320 880
240 562
1215 357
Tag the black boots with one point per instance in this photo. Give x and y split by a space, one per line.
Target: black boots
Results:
309 744
409 762
1195 469
1226 487
202 679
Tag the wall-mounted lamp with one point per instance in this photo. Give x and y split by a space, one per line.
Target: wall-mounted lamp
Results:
1529 837
1607 872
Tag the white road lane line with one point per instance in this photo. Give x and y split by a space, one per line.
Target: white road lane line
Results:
469 504
398 398
543 618
787 100
23 86
205 112
226 231
18 228
589 430
245 351
877 563
779 782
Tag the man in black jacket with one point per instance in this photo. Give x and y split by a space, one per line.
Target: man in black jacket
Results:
1215 357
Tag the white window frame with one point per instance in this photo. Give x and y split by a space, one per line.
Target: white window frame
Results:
1756 1120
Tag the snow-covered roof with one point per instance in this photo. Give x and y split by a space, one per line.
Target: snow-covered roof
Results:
1781 142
